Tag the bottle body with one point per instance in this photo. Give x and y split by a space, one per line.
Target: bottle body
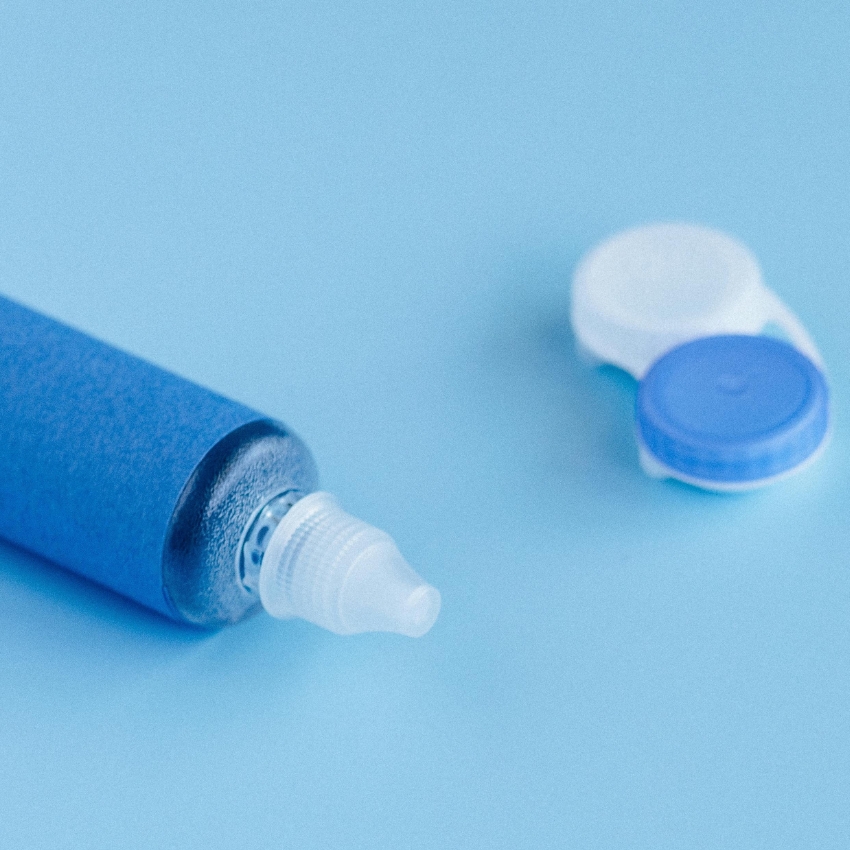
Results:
132 476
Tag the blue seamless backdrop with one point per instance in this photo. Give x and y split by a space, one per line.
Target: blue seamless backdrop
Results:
362 219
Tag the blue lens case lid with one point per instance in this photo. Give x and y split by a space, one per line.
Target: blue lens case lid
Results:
731 412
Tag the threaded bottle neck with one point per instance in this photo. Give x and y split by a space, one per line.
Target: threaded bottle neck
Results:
257 535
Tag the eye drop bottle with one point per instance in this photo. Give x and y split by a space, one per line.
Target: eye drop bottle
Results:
185 501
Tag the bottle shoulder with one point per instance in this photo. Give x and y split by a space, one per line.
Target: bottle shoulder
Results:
240 474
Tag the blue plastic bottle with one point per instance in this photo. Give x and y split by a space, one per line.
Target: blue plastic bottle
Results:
187 502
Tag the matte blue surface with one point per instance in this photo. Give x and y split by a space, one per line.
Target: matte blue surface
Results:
362 218
96 447
732 408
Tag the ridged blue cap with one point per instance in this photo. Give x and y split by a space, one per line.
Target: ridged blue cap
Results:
733 408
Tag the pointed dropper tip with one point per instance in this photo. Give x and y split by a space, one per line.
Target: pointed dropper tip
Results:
420 611
382 592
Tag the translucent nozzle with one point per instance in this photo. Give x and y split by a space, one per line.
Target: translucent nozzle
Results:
338 572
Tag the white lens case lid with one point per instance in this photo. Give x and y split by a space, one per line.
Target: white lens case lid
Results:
646 290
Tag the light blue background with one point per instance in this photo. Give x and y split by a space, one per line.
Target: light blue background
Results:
362 218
